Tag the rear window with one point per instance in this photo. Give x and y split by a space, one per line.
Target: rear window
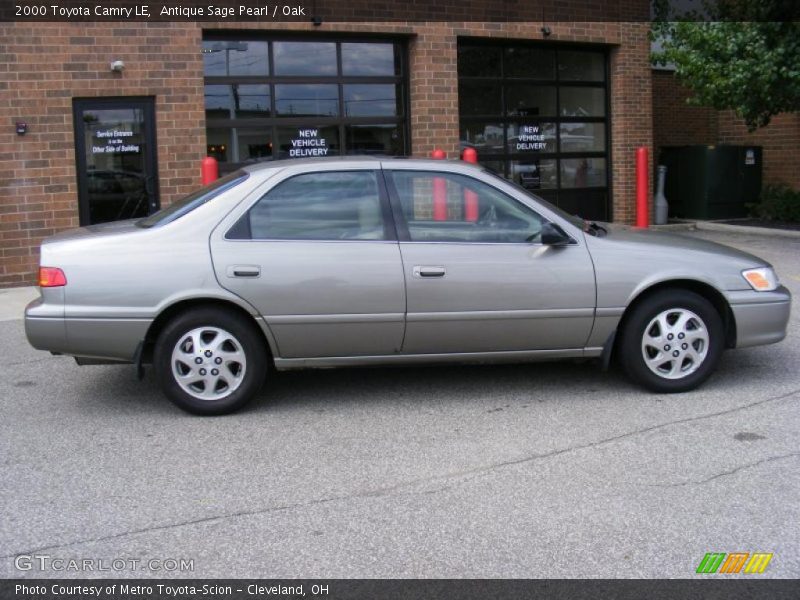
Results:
186 205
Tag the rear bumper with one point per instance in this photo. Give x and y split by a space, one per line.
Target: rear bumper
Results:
44 322
761 317
112 339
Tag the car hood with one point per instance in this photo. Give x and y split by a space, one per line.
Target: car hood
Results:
669 242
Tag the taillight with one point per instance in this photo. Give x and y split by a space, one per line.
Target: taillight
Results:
51 277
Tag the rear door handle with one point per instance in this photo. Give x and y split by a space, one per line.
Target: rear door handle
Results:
426 272
244 271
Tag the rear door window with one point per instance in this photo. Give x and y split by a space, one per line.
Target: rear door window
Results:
330 205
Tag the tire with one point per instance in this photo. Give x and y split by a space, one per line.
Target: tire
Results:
210 361
680 363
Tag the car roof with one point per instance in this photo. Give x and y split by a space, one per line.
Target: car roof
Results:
366 160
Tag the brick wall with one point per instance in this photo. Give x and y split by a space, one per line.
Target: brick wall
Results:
38 189
676 123
44 66
780 140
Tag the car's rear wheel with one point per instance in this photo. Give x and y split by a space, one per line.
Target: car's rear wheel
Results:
671 341
210 361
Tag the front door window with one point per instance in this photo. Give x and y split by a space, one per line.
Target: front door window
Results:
447 207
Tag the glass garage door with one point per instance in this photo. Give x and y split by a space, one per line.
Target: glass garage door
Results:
298 98
538 114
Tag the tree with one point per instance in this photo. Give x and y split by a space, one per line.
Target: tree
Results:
736 54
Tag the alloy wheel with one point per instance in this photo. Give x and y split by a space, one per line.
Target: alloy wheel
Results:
208 363
675 343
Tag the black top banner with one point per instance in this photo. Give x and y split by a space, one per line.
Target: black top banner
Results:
330 11
398 589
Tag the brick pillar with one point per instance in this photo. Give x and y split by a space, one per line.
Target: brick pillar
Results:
433 90
631 114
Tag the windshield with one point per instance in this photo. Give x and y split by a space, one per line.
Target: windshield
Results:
186 205
573 219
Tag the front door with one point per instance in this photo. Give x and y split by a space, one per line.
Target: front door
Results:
116 158
477 278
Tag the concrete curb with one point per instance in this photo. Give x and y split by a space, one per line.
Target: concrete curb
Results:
726 228
14 300
729 228
689 226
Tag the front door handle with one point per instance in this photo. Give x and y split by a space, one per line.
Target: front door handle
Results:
244 271
426 272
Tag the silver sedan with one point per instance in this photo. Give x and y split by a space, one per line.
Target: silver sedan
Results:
364 261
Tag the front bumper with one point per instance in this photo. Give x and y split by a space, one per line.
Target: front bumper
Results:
761 317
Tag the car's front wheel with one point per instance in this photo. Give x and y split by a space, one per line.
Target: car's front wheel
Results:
671 341
210 361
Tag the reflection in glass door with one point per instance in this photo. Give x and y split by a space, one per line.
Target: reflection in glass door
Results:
116 158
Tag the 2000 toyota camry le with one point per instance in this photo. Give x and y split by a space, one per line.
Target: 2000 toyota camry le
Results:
366 261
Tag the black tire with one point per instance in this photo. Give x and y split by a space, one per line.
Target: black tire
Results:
230 392
677 304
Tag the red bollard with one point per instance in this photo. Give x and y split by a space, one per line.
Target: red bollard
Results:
209 170
439 190
470 206
470 155
642 188
439 199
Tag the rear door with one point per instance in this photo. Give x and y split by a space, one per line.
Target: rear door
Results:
478 279
317 255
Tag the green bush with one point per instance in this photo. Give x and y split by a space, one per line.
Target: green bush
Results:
778 202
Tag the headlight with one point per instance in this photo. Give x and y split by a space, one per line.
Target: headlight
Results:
761 280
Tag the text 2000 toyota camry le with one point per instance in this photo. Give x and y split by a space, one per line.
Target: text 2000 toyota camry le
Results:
326 263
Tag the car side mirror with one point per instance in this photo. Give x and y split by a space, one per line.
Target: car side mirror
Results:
553 235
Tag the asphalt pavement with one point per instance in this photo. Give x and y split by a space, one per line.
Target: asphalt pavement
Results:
546 470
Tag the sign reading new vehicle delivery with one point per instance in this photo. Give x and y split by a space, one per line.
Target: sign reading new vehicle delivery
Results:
531 138
307 142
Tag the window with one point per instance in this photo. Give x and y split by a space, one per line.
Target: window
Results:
186 205
317 206
237 101
529 62
581 66
371 100
538 111
304 58
375 139
447 207
370 59
262 96
232 57
530 100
